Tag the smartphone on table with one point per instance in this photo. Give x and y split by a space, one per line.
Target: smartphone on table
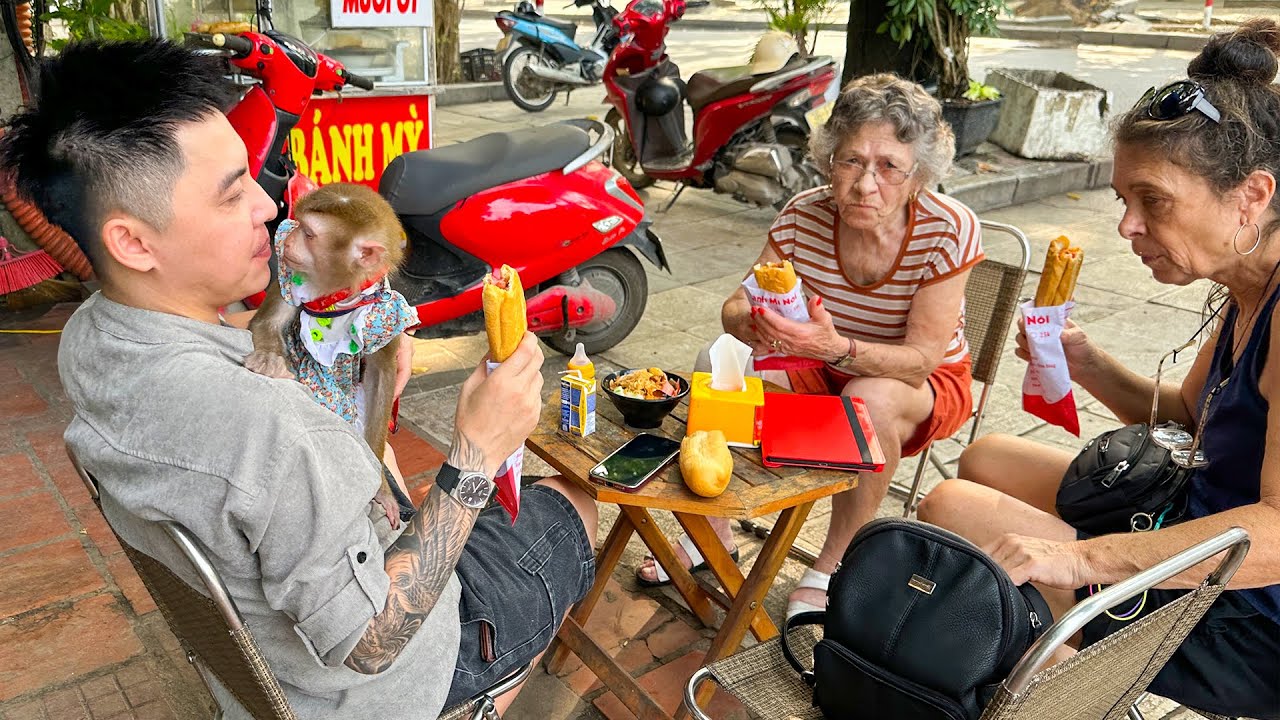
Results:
635 463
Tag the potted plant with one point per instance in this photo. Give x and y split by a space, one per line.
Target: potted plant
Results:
944 27
796 17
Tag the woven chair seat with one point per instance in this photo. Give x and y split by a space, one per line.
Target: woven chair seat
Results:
762 679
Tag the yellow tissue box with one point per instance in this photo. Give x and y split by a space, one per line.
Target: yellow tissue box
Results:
735 413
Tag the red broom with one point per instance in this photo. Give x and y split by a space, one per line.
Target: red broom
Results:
19 272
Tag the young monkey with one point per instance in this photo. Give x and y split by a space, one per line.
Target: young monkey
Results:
330 318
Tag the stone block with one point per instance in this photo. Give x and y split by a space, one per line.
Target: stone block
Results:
1049 115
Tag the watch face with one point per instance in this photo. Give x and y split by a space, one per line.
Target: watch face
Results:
473 490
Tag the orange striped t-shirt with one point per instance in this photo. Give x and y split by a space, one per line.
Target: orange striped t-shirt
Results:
943 238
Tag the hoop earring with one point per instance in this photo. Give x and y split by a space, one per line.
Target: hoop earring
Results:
1236 237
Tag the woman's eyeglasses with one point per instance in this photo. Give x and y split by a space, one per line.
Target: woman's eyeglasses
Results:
1176 100
884 173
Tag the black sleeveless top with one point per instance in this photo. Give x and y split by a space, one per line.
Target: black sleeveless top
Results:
1235 434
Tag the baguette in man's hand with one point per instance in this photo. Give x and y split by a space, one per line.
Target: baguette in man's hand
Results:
504 312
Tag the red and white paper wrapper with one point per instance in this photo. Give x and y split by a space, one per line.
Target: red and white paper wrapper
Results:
508 477
790 306
1046 388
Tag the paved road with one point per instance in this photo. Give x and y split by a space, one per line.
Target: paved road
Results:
1127 72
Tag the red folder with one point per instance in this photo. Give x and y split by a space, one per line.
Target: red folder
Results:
822 431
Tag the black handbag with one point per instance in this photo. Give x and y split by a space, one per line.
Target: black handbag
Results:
1121 482
920 625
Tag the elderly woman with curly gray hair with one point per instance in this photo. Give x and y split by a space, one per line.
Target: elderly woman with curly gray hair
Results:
883 260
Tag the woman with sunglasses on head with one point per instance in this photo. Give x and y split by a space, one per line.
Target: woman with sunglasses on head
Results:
883 261
1196 165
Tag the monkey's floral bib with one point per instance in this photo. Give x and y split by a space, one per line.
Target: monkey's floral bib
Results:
326 350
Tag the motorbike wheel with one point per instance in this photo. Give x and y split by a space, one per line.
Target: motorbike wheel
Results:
624 155
798 142
617 273
525 90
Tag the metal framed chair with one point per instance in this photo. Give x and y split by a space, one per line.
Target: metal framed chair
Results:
216 639
990 304
1101 682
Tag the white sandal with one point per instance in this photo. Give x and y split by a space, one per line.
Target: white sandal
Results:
696 561
810 580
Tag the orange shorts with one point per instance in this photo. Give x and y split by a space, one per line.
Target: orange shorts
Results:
952 399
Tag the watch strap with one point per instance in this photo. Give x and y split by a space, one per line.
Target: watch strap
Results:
849 357
447 478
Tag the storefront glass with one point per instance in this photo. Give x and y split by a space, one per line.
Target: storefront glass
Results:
390 56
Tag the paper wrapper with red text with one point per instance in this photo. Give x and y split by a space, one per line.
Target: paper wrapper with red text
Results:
789 305
1046 388
508 478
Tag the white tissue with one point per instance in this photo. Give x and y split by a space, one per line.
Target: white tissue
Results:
729 357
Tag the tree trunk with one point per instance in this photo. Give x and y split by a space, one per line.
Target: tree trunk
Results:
802 42
868 52
448 61
950 30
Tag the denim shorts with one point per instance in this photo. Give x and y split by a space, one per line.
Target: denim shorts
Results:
517 584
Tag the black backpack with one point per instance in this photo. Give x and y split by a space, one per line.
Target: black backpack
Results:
920 625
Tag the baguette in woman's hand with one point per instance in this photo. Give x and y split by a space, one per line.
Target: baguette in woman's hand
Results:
1061 269
775 277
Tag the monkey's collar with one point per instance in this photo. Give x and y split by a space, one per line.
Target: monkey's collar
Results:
344 301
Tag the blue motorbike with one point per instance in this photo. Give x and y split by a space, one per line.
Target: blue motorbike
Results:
541 58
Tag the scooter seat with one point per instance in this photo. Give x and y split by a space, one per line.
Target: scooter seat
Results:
427 181
716 84
568 27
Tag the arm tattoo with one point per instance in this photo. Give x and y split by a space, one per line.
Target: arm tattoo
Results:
419 564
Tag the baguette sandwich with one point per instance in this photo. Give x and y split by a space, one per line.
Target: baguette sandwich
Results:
1061 270
775 277
504 312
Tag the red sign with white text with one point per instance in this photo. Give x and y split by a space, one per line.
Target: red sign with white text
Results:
351 139
381 13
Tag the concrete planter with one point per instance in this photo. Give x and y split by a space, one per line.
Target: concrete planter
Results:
1049 115
971 121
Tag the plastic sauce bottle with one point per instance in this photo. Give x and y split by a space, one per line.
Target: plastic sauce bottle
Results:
578 395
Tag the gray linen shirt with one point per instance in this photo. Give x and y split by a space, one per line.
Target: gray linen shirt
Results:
276 488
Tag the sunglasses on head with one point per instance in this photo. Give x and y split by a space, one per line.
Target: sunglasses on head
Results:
1176 100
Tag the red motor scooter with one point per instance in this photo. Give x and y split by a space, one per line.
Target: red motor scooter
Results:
537 199
750 131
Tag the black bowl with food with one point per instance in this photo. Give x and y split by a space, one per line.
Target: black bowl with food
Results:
644 397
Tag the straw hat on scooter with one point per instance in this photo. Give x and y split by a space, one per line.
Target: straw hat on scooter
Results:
773 51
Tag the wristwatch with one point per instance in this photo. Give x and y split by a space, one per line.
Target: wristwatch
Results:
846 362
470 488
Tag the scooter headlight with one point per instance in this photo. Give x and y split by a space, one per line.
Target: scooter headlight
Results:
604 225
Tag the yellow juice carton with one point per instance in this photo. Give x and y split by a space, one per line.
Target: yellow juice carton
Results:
578 396
735 413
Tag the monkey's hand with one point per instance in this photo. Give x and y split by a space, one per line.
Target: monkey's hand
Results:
269 364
